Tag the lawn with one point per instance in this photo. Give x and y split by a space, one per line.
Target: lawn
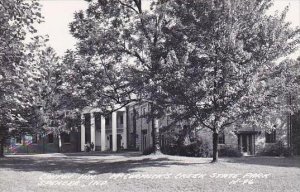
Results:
132 172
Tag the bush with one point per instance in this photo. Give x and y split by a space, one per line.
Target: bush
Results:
170 149
229 151
277 149
148 151
199 148
196 149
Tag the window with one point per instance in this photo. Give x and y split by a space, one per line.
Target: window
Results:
19 139
144 111
271 136
221 138
66 137
121 119
98 121
106 120
50 138
34 139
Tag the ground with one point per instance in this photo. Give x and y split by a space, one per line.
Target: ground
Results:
80 172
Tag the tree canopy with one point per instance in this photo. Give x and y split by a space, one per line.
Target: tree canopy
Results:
17 19
215 61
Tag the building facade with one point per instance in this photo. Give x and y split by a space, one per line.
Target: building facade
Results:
129 129
47 143
106 133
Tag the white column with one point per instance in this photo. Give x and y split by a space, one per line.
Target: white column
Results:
103 135
93 130
82 132
114 131
125 130
59 143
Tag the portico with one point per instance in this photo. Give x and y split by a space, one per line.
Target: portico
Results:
106 132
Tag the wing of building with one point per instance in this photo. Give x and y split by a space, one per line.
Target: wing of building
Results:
129 129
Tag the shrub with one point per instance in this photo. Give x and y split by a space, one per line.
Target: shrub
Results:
277 149
170 149
199 148
196 149
229 151
148 151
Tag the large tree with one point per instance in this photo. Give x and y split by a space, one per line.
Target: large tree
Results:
209 59
16 21
221 64
56 107
119 49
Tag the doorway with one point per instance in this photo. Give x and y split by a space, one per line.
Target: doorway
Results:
144 140
246 143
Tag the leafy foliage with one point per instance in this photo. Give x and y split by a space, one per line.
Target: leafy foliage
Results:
213 61
119 47
230 151
220 68
278 149
16 21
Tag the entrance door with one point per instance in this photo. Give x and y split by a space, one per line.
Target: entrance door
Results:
246 143
144 139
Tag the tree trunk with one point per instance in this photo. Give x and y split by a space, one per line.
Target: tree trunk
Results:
2 148
215 147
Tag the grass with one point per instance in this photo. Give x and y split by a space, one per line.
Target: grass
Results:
131 172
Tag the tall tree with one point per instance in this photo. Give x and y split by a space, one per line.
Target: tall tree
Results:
220 61
57 107
120 44
210 59
16 21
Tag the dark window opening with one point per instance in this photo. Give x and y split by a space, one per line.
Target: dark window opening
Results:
66 137
221 138
34 139
87 124
50 138
98 121
19 139
271 137
106 120
121 119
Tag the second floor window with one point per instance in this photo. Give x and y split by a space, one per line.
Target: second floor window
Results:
106 120
121 119
271 136
221 138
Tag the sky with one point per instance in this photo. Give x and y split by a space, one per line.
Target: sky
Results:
59 13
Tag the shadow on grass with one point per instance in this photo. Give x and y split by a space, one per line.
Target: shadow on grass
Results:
105 154
82 164
267 161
